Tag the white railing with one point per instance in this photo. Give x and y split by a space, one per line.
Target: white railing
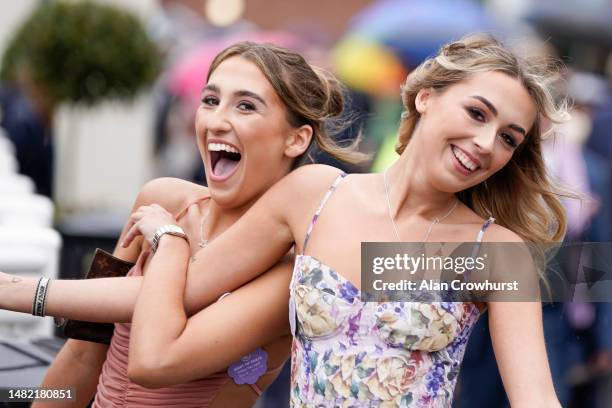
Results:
28 245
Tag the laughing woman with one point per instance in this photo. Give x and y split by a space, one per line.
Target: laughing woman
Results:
469 146
262 109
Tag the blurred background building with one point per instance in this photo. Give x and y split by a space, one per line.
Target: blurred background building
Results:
72 166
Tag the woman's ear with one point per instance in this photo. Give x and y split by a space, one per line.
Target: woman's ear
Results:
422 100
298 141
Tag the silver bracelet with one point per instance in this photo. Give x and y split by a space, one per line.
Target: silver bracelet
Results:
40 297
167 229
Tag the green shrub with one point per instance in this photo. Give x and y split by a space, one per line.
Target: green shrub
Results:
82 52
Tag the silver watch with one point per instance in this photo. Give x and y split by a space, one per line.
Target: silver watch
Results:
167 229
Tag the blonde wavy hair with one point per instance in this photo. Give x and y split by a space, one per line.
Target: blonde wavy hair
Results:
521 196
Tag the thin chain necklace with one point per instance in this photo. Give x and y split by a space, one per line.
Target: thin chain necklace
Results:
434 222
203 242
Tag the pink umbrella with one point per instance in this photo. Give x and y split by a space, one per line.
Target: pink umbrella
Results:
187 77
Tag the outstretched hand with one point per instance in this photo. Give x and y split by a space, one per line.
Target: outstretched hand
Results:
145 221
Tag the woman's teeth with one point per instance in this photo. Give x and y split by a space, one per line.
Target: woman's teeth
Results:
464 159
224 160
221 147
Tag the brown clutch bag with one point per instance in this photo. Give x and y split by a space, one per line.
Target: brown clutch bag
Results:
104 265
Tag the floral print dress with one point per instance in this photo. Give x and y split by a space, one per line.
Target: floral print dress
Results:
350 353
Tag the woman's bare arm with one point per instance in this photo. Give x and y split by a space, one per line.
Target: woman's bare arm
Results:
261 237
517 335
79 363
250 317
163 341
113 299
518 341
100 300
78 366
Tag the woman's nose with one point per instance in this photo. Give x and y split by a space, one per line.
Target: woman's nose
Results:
484 140
218 121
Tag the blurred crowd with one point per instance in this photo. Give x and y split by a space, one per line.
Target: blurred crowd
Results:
383 42
578 334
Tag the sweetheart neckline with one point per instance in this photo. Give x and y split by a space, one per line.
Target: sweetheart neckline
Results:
302 255
353 286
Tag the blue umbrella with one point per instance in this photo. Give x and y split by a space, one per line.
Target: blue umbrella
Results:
564 22
415 29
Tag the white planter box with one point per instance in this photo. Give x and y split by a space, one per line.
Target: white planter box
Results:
103 155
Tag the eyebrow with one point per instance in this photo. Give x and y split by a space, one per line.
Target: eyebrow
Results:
241 92
251 95
518 129
494 111
486 102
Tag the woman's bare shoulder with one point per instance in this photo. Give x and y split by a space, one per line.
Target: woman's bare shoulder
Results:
171 193
312 177
494 231
300 191
498 233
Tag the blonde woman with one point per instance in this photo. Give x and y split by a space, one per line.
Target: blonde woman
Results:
469 145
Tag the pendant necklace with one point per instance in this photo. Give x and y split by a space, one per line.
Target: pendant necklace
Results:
203 242
434 222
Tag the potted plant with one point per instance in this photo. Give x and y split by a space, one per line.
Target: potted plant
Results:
79 52
75 55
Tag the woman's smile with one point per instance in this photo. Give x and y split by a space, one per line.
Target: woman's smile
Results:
463 162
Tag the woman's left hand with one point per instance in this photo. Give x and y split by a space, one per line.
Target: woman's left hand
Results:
145 221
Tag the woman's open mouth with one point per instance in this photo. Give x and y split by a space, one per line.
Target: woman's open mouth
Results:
224 160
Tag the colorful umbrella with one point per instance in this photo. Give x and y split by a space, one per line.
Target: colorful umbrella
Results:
368 67
415 29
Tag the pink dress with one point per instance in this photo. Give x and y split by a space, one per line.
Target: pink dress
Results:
116 390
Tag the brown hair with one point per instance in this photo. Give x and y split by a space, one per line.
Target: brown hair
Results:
521 196
311 95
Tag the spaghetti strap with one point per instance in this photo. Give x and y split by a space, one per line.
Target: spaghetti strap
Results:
181 213
276 370
480 235
328 194
292 307
484 227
